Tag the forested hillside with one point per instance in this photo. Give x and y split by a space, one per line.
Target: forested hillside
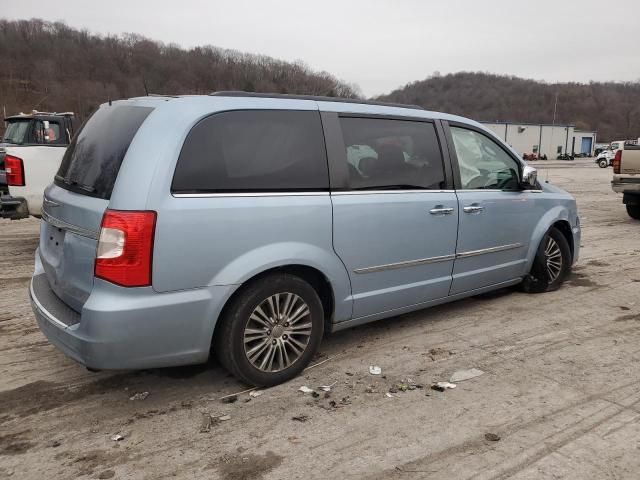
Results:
613 109
52 67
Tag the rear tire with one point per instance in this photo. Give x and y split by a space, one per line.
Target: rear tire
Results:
271 330
551 265
634 211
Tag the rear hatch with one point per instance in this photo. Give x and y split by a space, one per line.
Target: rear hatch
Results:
630 160
75 202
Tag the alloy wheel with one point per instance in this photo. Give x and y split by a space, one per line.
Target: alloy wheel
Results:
277 332
553 256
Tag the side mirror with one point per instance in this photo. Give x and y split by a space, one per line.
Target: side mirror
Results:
529 177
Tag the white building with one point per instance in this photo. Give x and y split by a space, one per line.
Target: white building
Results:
544 139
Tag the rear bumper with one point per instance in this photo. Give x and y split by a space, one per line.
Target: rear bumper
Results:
13 207
130 328
622 184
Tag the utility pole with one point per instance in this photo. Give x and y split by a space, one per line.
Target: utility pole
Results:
553 125
555 109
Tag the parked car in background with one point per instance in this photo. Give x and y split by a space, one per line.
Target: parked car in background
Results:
626 176
564 156
605 158
30 154
255 223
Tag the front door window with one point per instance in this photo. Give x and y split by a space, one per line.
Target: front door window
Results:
483 164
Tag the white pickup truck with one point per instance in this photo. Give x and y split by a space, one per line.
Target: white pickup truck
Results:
626 177
30 154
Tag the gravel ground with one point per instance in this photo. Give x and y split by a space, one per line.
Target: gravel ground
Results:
560 392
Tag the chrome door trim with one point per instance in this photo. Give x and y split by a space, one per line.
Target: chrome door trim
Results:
298 194
483 251
494 190
249 194
377 192
83 232
405 264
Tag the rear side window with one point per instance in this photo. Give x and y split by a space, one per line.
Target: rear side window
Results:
253 151
392 154
92 160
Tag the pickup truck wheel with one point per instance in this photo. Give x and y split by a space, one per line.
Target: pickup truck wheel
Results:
634 211
551 265
271 330
603 163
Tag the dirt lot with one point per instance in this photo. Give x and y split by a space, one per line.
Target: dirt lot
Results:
561 386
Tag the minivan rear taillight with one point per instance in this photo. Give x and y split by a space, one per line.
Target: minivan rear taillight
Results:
617 160
14 170
125 247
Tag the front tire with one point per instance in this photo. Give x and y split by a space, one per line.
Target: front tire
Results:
603 163
271 330
634 211
551 265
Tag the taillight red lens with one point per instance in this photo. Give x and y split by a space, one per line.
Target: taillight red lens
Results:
14 170
617 160
125 247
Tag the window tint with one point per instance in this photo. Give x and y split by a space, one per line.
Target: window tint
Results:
483 163
392 154
92 161
254 151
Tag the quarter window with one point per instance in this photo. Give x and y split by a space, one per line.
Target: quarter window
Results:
254 151
392 154
483 163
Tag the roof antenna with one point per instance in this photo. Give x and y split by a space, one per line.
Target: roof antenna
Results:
109 101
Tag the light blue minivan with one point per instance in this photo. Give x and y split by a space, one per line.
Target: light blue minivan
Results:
248 225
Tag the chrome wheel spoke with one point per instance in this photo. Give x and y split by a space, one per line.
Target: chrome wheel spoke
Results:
277 332
256 351
553 256
299 314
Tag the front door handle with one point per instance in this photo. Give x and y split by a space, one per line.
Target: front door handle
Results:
473 208
441 210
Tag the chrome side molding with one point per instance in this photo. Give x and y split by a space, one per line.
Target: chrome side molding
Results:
443 258
405 264
483 251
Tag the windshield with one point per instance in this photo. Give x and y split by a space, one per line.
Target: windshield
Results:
16 132
615 146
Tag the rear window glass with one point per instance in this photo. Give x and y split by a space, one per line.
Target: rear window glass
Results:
92 160
253 151
16 132
47 133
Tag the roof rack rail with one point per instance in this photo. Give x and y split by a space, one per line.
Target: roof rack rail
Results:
318 98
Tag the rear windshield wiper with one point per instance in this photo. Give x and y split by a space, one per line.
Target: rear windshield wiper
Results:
73 183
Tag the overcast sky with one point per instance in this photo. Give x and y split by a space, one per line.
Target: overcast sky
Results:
383 44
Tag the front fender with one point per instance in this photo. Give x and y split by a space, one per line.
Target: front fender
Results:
267 257
555 214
